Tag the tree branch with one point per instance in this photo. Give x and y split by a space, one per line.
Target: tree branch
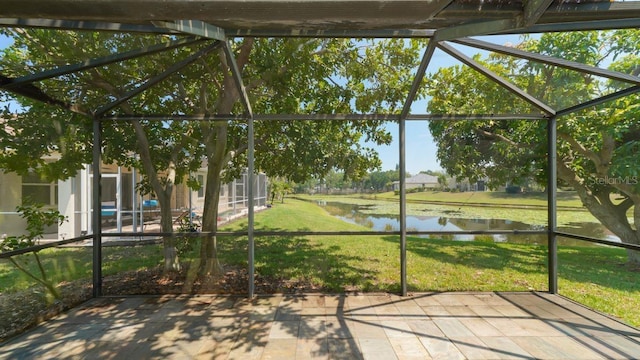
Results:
498 137
579 148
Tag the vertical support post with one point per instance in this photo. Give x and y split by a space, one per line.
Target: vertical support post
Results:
403 209
552 215
119 200
134 200
97 209
250 179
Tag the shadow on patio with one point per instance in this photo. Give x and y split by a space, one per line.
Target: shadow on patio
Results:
352 326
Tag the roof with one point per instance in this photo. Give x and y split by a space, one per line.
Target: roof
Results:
420 179
331 18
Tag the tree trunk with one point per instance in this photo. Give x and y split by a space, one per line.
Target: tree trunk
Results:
601 207
209 262
171 260
218 157
163 191
634 255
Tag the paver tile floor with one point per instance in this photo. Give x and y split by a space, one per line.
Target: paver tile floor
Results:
322 326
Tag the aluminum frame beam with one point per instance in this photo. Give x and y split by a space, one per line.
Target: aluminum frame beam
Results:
194 27
322 14
403 205
419 77
155 80
552 204
534 9
627 23
96 216
82 25
549 60
600 100
237 78
328 117
333 33
497 79
33 92
478 28
101 61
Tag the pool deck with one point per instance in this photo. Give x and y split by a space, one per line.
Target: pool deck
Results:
485 325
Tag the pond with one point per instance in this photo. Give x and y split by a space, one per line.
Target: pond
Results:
449 222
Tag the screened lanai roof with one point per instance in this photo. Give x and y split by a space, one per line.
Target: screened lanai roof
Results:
442 21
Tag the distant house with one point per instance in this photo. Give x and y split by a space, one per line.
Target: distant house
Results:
419 181
466 185
122 205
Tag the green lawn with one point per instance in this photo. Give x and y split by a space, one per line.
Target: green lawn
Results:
595 276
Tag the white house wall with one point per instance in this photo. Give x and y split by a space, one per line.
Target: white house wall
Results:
10 198
70 205
77 208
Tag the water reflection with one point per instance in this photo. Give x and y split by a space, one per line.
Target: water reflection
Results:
386 222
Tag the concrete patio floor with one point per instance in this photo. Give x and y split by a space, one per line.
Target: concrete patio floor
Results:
316 326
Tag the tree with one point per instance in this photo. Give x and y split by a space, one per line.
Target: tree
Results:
279 188
281 76
442 181
599 147
37 220
166 151
381 180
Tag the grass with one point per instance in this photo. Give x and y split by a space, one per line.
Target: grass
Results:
67 264
594 276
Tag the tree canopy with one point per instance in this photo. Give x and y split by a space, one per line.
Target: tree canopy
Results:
304 76
598 149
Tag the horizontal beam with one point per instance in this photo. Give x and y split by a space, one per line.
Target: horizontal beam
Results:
314 15
478 28
326 117
333 33
59 24
329 233
626 23
194 27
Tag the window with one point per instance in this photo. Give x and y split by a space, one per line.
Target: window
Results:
37 190
201 189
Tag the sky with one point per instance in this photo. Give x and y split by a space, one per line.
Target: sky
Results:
420 148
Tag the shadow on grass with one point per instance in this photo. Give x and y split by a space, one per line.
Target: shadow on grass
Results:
605 266
602 266
479 254
301 263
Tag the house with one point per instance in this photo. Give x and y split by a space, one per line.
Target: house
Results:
421 180
123 208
